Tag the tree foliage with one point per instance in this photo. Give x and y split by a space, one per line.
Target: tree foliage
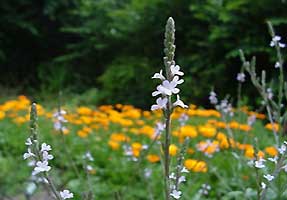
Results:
116 45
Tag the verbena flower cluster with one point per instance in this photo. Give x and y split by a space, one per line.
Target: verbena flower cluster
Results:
39 156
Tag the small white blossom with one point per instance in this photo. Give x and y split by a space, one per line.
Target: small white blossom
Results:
28 142
184 170
175 194
269 93
275 40
277 65
273 159
284 168
89 168
213 98
260 163
28 154
41 167
204 189
47 156
172 176
158 129
251 120
268 177
88 156
159 76
181 179
66 194
182 119
175 70
45 147
147 172
240 77
282 149
160 104
179 102
263 185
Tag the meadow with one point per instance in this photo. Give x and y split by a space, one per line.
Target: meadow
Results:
59 149
123 159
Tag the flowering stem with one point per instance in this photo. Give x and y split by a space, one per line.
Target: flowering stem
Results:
166 149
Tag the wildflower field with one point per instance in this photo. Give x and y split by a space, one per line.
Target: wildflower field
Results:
140 136
113 151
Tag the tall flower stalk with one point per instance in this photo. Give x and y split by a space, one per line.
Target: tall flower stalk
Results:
40 157
166 90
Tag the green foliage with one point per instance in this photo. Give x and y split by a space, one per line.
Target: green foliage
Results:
127 80
90 37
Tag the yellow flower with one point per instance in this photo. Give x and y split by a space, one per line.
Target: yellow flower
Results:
195 165
2 115
249 152
84 111
82 133
207 131
119 137
173 149
188 131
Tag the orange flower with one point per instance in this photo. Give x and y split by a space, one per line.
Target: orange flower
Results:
270 127
114 145
195 165
272 151
249 152
153 158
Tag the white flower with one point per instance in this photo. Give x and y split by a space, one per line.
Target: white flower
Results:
260 163
184 170
275 40
269 93
285 168
28 142
89 168
179 102
159 76
282 149
172 176
61 113
28 154
160 104
268 177
147 172
277 65
66 194
88 156
213 98
175 194
175 70
240 77
281 45
57 125
251 120
45 147
273 159
47 156
182 119
181 179
41 167
263 185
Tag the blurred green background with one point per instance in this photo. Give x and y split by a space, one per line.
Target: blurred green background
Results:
109 49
